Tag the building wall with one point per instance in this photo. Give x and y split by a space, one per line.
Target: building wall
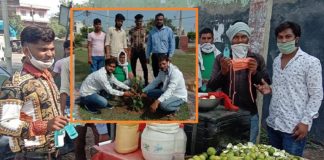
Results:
39 17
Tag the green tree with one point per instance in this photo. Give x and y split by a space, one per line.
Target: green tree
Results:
16 23
167 22
59 30
85 31
191 35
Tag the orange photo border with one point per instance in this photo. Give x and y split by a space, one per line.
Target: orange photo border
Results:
130 121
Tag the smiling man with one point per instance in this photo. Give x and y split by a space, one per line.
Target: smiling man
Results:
173 92
30 105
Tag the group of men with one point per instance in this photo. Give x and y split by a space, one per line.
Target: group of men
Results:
296 87
111 49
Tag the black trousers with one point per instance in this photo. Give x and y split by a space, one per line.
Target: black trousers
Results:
155 63
139 54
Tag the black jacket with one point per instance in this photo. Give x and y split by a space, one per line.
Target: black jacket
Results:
242 97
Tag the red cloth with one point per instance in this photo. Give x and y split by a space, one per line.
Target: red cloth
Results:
107 151
227 101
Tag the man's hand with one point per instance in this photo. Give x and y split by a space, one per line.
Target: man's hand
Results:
154 106
300 131
56 123
103 137
128 94
89 61
147 61
264 88
225 65
253 65
143 95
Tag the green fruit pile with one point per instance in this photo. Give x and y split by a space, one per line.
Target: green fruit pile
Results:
248 151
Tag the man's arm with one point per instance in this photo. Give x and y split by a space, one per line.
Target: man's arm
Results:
65 84
171 43
217 79
107 43
119 84
175 78
315 92
261 72
103 80
154 83
149 47
89 49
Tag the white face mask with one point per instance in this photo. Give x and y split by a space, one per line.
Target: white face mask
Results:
39 64
207 47
240 50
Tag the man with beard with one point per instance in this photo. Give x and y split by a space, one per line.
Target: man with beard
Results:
160 42
101 80
116 38
206 57
173 92
96 40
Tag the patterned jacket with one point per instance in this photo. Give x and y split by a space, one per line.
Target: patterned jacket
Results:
27 101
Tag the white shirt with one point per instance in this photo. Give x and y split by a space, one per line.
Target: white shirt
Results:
116 40
173 84
58 66
100 80
297 92
65 75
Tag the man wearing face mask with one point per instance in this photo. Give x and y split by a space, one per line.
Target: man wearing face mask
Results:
160 42
173 92
239 88
297 91
206 56
30 103
116 38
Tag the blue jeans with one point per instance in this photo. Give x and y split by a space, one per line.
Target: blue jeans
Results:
170 105
95 100
97 63
254 128
286 142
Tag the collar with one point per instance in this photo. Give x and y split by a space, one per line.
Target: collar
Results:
299 52
36 72
121 29
160 29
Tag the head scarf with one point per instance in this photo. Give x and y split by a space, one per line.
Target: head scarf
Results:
238 27
124 65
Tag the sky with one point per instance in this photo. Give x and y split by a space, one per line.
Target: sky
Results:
108 17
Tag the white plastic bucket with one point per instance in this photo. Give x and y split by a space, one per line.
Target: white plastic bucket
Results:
163 142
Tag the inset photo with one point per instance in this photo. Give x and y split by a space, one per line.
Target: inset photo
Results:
134 64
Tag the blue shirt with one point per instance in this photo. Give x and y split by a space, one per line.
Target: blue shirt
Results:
160 41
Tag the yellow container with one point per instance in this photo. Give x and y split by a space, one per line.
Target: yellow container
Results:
127 137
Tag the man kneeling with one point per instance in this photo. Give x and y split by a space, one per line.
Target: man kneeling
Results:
173 92
101 80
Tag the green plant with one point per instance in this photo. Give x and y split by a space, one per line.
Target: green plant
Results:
136 87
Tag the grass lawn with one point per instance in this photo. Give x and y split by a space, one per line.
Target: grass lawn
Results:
185 62
120 112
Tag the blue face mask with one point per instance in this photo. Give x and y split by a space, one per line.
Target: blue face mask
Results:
287 47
